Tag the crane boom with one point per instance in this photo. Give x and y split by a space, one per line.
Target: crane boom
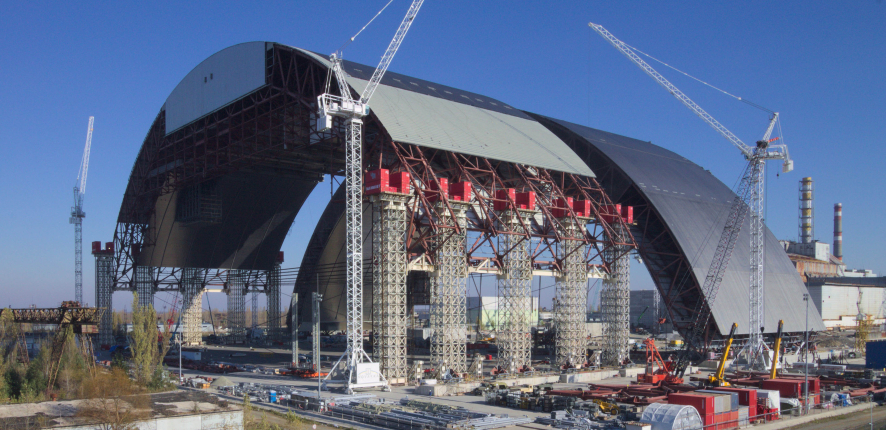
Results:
749 199
84 163
352 112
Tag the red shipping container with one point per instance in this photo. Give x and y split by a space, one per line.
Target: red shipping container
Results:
96 246
703 404
400 182
439 184
627 214
526 200
611 213
559 204
790 388
746 397
377 181
502 197
582 208
460 191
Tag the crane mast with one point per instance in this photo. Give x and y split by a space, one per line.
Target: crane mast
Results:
352 112
77 215
749 199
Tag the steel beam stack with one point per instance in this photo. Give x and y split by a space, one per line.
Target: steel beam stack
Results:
273 292
449 286
515 298
192 306
105 267
389 285
615 303
144 285
236 306
572 297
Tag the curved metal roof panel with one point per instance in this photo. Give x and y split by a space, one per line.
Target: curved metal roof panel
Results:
695 205
422 113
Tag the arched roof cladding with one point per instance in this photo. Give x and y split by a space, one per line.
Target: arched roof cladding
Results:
693 205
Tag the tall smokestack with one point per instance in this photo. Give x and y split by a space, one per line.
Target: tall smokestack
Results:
806 212
838 231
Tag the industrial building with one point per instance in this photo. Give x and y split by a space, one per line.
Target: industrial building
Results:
485 312
457 182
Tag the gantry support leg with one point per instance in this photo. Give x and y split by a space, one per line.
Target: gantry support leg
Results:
449 287
144 285
389 285
615 303
236 307
104 288
570 311
192 306
273 293
515 298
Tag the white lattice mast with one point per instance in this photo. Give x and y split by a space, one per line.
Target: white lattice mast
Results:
352 112
572 296
449 291
756 290
515 295
77 215
192 306
615 304
389 284
254 307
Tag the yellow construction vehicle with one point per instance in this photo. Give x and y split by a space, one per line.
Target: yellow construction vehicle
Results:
606 407
775 351
716 379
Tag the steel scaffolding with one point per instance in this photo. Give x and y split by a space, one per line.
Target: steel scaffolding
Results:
449 291
515 299
192 306
615 302
254 307
572 297
273 292
144 285
105 267
656 311
389 285
236 306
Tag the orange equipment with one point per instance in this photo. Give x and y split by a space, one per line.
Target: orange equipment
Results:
665 368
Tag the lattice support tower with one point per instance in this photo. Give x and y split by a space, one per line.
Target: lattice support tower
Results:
615 305
572 297
515 298
273 313
254 307
756 202
389 285
656 311
236 306
144 285
316 299
192 306
105 268
449 287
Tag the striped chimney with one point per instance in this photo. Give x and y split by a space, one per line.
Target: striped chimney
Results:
806 226
838 231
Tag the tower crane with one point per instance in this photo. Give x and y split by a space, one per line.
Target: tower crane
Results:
750 199
351 112
77 215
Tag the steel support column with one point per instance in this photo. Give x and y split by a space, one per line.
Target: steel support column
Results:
515 298
192 306
615 303
449 287
236 289
144 285
389 285
570 312
272 290
105 267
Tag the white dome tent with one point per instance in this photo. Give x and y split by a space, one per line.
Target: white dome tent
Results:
672 417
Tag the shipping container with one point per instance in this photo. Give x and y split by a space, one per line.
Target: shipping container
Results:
704 405
460 191
400 182
746 397
733 397
526 200
582 208
560 205
503 196
377 181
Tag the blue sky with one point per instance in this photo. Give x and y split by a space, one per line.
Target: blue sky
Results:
821 64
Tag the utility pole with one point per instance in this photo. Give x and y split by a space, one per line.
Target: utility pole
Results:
806 356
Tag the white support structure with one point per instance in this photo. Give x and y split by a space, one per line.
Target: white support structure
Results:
570 312
273 313
449 291
389 285
105 269
515 295
192 306
236 290
77 215
656 312
144 285
615 303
